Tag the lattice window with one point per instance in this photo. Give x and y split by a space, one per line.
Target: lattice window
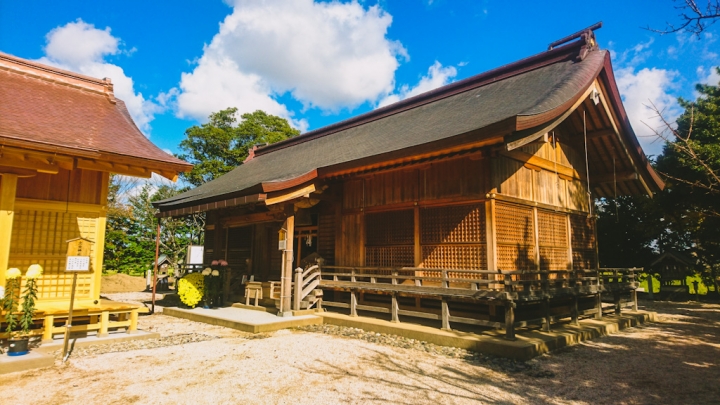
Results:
515 232
584 259
514 224
326 238
39 237
389 256
553 240
390 228
583 232
516 257
466 257
453 224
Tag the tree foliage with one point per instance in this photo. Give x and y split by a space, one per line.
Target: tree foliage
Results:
685 216
132 228
220 145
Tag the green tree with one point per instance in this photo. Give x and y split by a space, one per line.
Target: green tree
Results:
691 163
220 145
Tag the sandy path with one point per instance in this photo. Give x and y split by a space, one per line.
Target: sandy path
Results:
674 361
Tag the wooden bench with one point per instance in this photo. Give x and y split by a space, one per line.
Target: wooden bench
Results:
99 317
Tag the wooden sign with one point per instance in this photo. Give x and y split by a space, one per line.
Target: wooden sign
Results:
77 263
79 247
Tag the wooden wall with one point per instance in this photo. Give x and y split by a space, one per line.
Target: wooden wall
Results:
51 209
413 217
513 177
436 215
80 186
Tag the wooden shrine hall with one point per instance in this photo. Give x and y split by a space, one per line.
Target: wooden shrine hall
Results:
61 136
471 203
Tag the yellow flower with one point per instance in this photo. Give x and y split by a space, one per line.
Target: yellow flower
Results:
190 289
34 271
12 273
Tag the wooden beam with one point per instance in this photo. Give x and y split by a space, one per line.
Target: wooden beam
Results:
542 163
119 168
611 178
27 162
303 192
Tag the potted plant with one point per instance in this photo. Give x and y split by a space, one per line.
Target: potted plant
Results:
19 339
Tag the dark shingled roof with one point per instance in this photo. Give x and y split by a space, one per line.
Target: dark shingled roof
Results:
532 87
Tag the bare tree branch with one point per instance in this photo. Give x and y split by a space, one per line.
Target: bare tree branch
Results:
693 18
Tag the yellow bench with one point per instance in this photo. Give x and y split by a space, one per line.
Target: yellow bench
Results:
98 315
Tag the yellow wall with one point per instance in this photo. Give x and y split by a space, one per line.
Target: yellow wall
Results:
40 231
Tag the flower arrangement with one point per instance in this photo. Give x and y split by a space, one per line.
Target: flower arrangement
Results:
190 289
212 286
11 299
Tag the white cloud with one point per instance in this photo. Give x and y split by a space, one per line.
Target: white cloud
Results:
80 47
328 55
437 76
709 76
642 88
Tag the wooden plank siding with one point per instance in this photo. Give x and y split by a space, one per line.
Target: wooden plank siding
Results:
436 215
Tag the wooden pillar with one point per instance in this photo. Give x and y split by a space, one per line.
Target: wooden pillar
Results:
298 289
99 246
417 248
490 234
394 309
104 324
287 267
353 303
510 320
616 301
48 326
574 313
634 298
546 311
445 315
8 187
599 313
133 321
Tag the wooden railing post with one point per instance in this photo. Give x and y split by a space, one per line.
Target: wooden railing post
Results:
509 320
546 310
394 275
394 308
574 313
445 314
445 282
298 289
507 280
353 303
599 313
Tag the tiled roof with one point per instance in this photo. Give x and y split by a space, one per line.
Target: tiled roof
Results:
440 115
49 107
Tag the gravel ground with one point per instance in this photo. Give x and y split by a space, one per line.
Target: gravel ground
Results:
674 361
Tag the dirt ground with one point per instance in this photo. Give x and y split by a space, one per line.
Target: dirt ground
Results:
674 361
120 283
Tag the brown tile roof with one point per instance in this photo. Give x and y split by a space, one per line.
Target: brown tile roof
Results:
46 108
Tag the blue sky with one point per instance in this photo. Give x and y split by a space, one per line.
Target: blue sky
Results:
317 63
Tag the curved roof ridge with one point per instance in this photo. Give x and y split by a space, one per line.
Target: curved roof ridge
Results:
506 71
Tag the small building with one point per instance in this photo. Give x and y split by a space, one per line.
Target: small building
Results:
61 136
462 203
673 269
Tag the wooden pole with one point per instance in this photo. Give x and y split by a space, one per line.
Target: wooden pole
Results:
68 323
155 266
574 310
445 314
510 320
287 268
7 212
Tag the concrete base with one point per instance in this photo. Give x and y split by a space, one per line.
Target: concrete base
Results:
246 320
270 310
32 360
92 339
528 344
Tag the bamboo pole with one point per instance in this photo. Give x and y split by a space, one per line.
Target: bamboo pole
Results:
68 323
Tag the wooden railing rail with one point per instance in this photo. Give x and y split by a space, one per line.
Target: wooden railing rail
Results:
305 282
